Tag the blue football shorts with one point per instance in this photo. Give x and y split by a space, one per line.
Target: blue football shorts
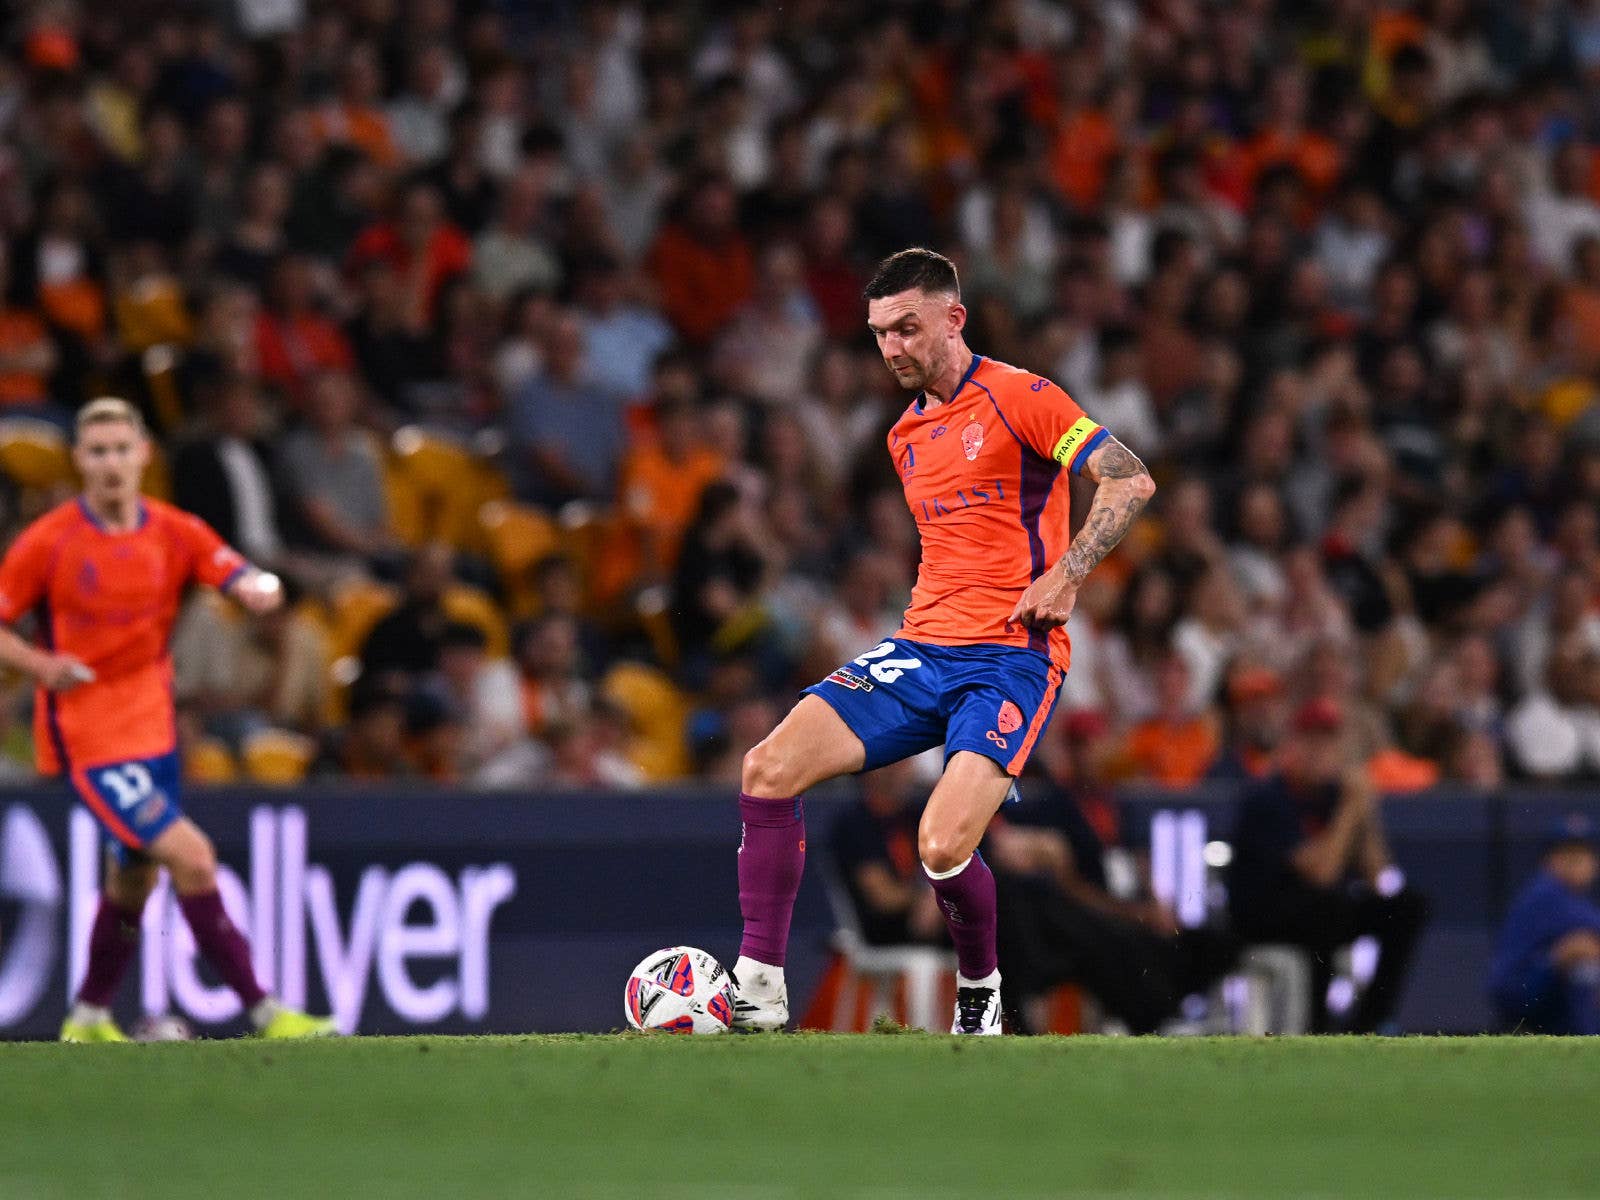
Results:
903 697
134 801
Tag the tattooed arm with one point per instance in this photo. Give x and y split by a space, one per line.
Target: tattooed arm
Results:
1124 488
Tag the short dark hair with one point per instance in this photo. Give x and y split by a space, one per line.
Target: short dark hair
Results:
913 268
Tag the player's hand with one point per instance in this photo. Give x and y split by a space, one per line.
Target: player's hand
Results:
62 673
259 591
1047 603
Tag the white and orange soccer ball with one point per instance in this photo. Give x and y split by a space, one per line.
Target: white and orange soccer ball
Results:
679 990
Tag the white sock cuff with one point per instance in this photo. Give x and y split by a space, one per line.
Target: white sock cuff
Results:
950 874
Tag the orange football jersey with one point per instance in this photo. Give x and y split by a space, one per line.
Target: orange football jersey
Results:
110 600
983 477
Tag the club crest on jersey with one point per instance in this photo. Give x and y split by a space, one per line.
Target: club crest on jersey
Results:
972 439
849 679
1010 718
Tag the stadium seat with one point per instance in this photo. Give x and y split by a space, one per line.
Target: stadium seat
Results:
658 713
355 607
208 760
439 487
277 757
913 984
517 536
35 453
473 607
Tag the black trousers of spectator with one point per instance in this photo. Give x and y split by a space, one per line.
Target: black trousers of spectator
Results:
1140 977
1321 920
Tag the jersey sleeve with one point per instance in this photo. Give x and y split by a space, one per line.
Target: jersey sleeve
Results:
215 563
1052 425
24 573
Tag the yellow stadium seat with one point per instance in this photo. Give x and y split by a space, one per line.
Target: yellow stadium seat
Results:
473 607
277 757
35 453
209 760
355 607
659 714
517 536
157 480
439 486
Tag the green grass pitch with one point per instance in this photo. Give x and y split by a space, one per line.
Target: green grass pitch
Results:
773 1118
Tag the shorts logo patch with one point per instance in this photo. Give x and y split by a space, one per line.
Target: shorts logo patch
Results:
972 440
845 677
1010 718
152 810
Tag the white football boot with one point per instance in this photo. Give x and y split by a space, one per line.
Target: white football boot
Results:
978 1006
760 999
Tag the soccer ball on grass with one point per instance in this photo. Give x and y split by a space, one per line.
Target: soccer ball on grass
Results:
679 990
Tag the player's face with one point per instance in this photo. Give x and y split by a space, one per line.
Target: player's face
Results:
916 332
111 456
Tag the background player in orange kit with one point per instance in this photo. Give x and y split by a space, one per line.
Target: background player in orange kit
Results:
977 663
104 575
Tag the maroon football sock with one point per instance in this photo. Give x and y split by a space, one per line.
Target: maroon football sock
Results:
772 857
113 941
222 944
970 913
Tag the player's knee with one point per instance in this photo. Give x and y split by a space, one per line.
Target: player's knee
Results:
131 886
767 773
194 867
939 852
1580 947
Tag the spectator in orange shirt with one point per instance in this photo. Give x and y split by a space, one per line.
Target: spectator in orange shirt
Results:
295 342
356 116
419 243
662 480
1284 138
27 353
1176 746
703 263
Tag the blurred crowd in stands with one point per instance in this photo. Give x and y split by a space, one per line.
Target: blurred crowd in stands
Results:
524 339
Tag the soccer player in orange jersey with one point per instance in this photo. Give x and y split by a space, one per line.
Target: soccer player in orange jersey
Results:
104 575
983 452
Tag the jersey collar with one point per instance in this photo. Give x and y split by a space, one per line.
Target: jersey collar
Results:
971 370
88 515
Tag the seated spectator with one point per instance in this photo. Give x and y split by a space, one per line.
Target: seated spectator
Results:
372 744
27 353
1554 733
435 734
874 848
295 342
1311 867
722 569
245 674
566 434
623 337
334 475
488 694
420 243
662 480
1254 719
1175 746
510 256
702 263
767 349
1545 975
406 644
588 753
554 688
225 475
355 116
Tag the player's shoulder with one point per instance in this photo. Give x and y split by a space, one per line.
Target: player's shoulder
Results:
58 522
159 514
1007 382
